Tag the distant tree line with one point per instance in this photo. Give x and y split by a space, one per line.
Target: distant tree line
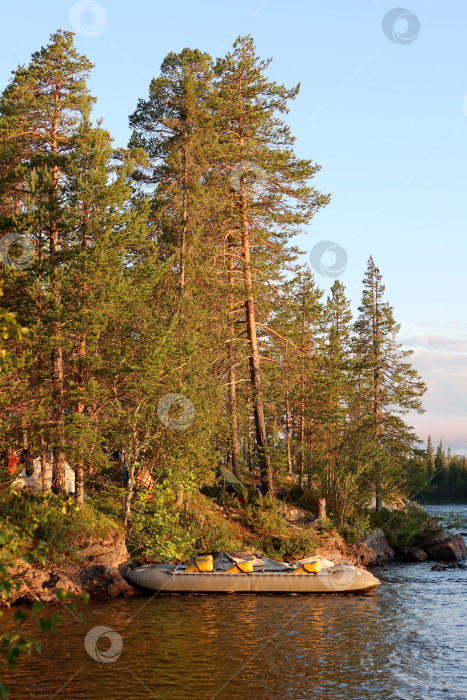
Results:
444 475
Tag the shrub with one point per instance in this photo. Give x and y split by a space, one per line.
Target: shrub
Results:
161 532
64 530
354 531
264 520
406 527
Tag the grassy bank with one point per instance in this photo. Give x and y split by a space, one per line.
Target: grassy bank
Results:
163 532
63 529
160 533
408 527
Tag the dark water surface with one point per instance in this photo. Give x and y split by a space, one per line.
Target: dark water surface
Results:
407 640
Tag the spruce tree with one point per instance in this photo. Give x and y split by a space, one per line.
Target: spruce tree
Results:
430 457
335 400
391 386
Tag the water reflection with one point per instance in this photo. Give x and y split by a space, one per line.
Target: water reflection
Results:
406 640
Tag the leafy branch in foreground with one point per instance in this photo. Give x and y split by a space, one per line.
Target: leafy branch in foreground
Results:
18 543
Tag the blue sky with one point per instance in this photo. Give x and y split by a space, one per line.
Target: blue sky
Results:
386 120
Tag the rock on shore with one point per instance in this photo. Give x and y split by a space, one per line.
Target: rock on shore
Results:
99 572
373 550
447 548
440 547
410 554
377 543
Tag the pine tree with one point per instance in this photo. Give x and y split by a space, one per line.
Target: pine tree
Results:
173 126
253 138
40 112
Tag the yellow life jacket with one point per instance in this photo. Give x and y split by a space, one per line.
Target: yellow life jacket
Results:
312 568
204 564
241 567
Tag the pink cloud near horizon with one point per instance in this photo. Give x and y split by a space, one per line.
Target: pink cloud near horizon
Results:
442 362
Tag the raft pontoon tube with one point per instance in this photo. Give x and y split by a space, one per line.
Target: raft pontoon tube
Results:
243 577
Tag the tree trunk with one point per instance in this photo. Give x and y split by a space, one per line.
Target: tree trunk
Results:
43 465
181 274
310 452
235 444
255 373
79 484
321 508
378 500
79 467
302 438
129 492
376 397
58 461
134 456
302 408
288 434
180 495
250 447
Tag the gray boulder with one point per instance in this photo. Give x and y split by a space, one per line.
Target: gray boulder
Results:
439 538
294 514
451 549
410 554
104 582
378 544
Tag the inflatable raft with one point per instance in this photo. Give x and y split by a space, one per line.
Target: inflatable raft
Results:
167 578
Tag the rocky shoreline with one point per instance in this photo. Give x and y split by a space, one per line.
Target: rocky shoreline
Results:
99 572
102 564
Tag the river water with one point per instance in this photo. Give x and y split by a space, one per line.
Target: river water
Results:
407 640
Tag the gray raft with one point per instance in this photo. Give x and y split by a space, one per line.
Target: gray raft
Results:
165 578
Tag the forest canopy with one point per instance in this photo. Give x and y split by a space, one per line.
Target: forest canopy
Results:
169 320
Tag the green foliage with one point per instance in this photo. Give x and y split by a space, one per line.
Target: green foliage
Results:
271 534
109 501
264 520
155 530
213 533
161 532
406 527
355 528
20 541
296 546
60 526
